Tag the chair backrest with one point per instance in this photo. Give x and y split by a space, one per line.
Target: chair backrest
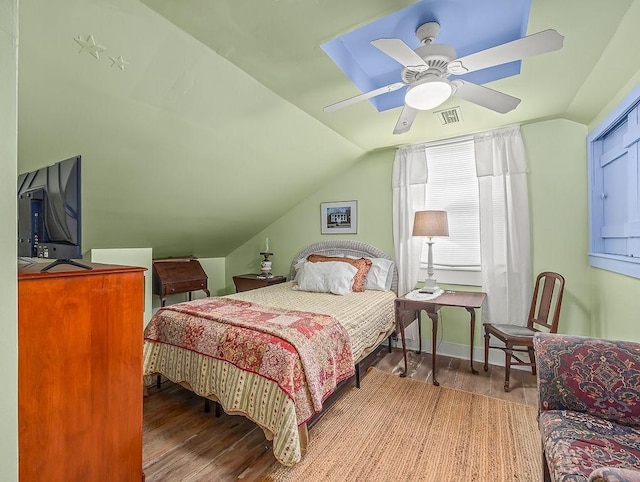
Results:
546 302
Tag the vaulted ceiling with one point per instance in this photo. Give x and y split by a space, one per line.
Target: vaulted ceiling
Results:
278 44
202 121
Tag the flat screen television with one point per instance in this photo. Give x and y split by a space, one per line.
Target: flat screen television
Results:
49 213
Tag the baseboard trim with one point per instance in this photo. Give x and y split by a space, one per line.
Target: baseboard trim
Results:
460 351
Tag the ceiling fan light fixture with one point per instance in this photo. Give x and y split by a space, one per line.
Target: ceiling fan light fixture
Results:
426 94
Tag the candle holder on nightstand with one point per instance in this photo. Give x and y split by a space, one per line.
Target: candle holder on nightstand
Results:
265 266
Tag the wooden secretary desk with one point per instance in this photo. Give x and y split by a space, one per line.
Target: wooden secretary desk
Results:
178 275
80 373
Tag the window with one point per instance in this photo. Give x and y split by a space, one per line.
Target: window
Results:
452 186
614 189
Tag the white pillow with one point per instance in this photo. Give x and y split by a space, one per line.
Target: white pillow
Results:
392 270
302 261
380 275
329 277
298 268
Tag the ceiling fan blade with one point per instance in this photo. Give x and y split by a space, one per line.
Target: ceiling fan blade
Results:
406 119
486 97
366 95
401 52
538 43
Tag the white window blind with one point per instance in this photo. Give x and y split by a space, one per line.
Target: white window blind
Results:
452 186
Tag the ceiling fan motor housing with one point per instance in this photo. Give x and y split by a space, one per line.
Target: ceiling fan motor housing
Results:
437 56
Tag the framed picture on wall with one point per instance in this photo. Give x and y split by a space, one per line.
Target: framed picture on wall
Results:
339 217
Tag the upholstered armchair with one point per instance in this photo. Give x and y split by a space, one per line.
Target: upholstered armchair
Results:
589 408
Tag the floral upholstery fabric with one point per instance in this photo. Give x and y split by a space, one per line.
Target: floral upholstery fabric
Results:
590 375
614 474
578 443
589 406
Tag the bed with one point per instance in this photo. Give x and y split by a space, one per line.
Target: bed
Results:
275 354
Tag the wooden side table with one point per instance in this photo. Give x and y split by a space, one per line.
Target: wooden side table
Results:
407 310
247 282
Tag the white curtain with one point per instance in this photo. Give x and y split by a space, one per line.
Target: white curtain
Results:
409 195
504 225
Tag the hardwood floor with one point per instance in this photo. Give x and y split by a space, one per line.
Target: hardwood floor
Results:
183 443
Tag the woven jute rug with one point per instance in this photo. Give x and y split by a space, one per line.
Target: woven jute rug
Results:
400 429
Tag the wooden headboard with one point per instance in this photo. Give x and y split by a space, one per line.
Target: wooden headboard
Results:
344 247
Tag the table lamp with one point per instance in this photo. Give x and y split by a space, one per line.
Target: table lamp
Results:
430 224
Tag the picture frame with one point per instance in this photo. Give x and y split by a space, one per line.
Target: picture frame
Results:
339 217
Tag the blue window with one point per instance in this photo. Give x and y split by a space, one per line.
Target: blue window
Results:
614 189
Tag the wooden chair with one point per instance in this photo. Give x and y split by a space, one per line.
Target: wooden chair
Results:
546 302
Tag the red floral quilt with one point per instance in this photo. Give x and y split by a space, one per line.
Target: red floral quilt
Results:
306 354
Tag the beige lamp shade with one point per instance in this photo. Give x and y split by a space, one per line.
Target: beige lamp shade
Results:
430 223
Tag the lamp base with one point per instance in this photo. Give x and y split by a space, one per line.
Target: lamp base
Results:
430 283
265 266
430 286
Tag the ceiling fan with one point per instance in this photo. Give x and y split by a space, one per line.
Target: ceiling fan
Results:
427 68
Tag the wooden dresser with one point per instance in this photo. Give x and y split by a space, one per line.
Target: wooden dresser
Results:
80 373
178 275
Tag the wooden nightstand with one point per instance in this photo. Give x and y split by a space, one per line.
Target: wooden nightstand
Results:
247 282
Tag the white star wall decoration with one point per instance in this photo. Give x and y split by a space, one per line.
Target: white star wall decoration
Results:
90 46
119 62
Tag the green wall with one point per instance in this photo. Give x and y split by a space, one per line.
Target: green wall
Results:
368 182
182 151
614 302
558 202
556 151
8 236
